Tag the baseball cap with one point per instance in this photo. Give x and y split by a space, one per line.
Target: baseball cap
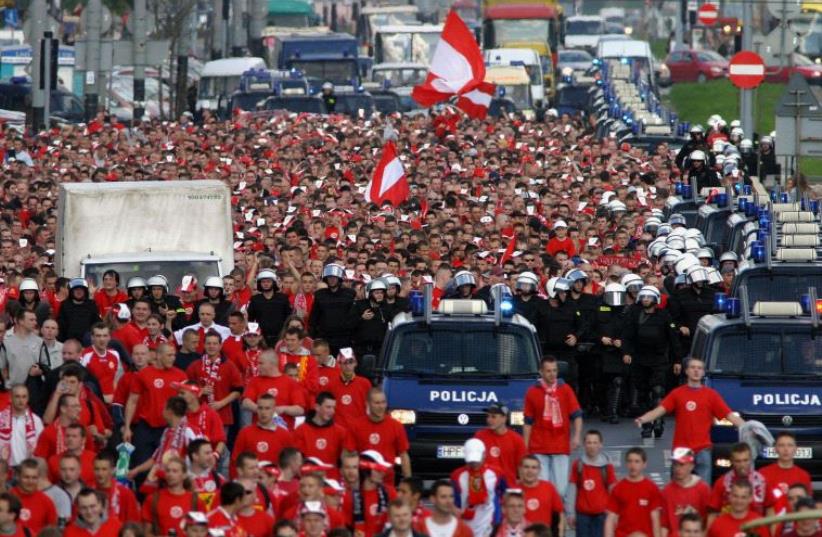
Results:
682 455
486 219
121 311
559 223
196 518
187 386
347 355
253 328
312 508
474 450
497 408
373 460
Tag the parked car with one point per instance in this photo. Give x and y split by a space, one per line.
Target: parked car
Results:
696 65
799 64
577 60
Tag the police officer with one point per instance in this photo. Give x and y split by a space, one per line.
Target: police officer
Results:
214 295
632 283
329 98
561 325
749 157
700 174
462 285
331 307
526 301
608 329
368 321
689 304
268 307
697 141
136 288
588 362
394 303
161 301
767 158
649 343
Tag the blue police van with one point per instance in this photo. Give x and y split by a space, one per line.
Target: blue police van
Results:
441 369
765 359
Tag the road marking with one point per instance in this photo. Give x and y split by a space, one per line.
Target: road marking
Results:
657 478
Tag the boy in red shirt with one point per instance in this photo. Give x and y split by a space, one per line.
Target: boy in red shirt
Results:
730 523
101 361
265 438
561 242
780 475
686 493
591 477
221 380
350 390
635 503
542 502
504 447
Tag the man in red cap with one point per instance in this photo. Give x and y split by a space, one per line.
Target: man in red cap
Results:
370 501
505 447
202 418
686 493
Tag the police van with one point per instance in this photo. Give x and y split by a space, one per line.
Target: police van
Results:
765 359
441 369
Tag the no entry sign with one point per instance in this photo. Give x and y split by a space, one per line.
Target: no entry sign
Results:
707 14
746 70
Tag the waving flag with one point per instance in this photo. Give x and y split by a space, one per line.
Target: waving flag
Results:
389 182
476 102
457 66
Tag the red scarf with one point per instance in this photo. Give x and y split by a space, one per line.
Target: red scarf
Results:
507 530
61 439
173 439
211 373
551 410
6 424
252 358
477 489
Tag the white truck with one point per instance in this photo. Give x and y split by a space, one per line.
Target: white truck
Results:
143 228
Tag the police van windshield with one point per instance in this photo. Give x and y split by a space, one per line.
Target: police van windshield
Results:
780 286
435 351
768 353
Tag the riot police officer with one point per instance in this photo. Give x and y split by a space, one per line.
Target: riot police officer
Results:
649 343
697 141
368 321
526 301
689 304
463 285
560 325
329 98
608 329
394 303
331 307
588 362
700 173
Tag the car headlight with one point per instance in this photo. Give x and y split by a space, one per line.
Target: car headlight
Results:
517 418
725 422
406 417
715 69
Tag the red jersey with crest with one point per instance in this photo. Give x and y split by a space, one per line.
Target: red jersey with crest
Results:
103 366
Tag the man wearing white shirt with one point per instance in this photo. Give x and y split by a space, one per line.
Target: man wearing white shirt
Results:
206 324
19 428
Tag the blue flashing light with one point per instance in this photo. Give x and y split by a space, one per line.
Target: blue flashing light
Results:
805 302
784 198
416 298
686 191
623 61
501 91
813 206
758 252
742 204
719 302
751 209
507 308
722 200
733 308
678 188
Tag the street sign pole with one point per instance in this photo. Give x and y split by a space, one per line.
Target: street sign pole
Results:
140 33
38 26
746 95
92 61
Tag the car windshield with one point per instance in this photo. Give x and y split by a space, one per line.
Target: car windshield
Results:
392 19
399 77
584 28
767 352
296 105
288 20
709 56
485 351
513 31
336 72
387 104
566 56
214 86
408 47
520 95
172 270
779 286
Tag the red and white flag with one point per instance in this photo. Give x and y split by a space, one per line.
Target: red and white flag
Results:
389 182
457 66
476 102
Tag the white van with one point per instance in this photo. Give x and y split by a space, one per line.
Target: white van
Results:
584 31
527 58
637 53
221 78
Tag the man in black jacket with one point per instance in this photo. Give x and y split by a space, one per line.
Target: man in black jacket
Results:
269 307
331 308
368 320
77 313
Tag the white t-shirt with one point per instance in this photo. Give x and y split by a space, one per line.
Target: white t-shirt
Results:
440 530
18 438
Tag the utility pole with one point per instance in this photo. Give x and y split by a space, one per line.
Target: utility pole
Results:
140 37
49 58
680 22
797 106
38 27
184 44
238 35
92 82
746 95
256 23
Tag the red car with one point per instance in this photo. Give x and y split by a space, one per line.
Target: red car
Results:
695 66
801 64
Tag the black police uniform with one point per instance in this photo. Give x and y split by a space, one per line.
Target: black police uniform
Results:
401 304
609 322
704 178
688 306
76 319
588 362
689 147
530 309
328 317
270 313
367 335
556 323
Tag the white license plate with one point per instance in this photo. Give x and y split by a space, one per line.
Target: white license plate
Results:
449 452
801 453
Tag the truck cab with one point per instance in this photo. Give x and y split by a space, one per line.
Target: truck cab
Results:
766 363
442 368
325 56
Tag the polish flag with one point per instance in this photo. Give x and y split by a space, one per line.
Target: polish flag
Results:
509 251
476 102
389 182
457 66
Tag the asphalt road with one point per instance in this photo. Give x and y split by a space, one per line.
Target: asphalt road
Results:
619 438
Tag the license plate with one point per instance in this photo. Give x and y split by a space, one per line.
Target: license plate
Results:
801 453
449 452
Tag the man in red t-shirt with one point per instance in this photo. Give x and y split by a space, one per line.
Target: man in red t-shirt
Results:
38 510
542 502
220 379
561 242
75 439
110 293
101 361
686 493
550 408
635 503
780 475
350 390
205 421
504 447
589 481
147 401
694 407
287 391
327 367
729 524
255 522
741 469
122 504
91 519
133 332
265 438
10 523
165 508
320 436
382 433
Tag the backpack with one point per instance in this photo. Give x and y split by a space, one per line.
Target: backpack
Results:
603 469
155 514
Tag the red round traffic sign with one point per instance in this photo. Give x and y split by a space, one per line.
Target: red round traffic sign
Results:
746 70
707 14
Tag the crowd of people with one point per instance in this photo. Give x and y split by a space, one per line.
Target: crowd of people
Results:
235 404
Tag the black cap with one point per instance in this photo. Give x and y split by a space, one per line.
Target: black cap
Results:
497 408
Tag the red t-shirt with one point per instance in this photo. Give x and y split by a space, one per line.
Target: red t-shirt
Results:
171 510
374 518
726 525
103 367
265 443
556 245
678 500
285 389
86 467
779 479
49 441
633 502
542 502
130 335
122 503
351 399
109 528
505 451
306 369
546 437
105 302
207 422
207 486
124 387
154 388
228 379
38 510
592 491
694 410
386 437
720 494
324 442
326 375
257 524
233 350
